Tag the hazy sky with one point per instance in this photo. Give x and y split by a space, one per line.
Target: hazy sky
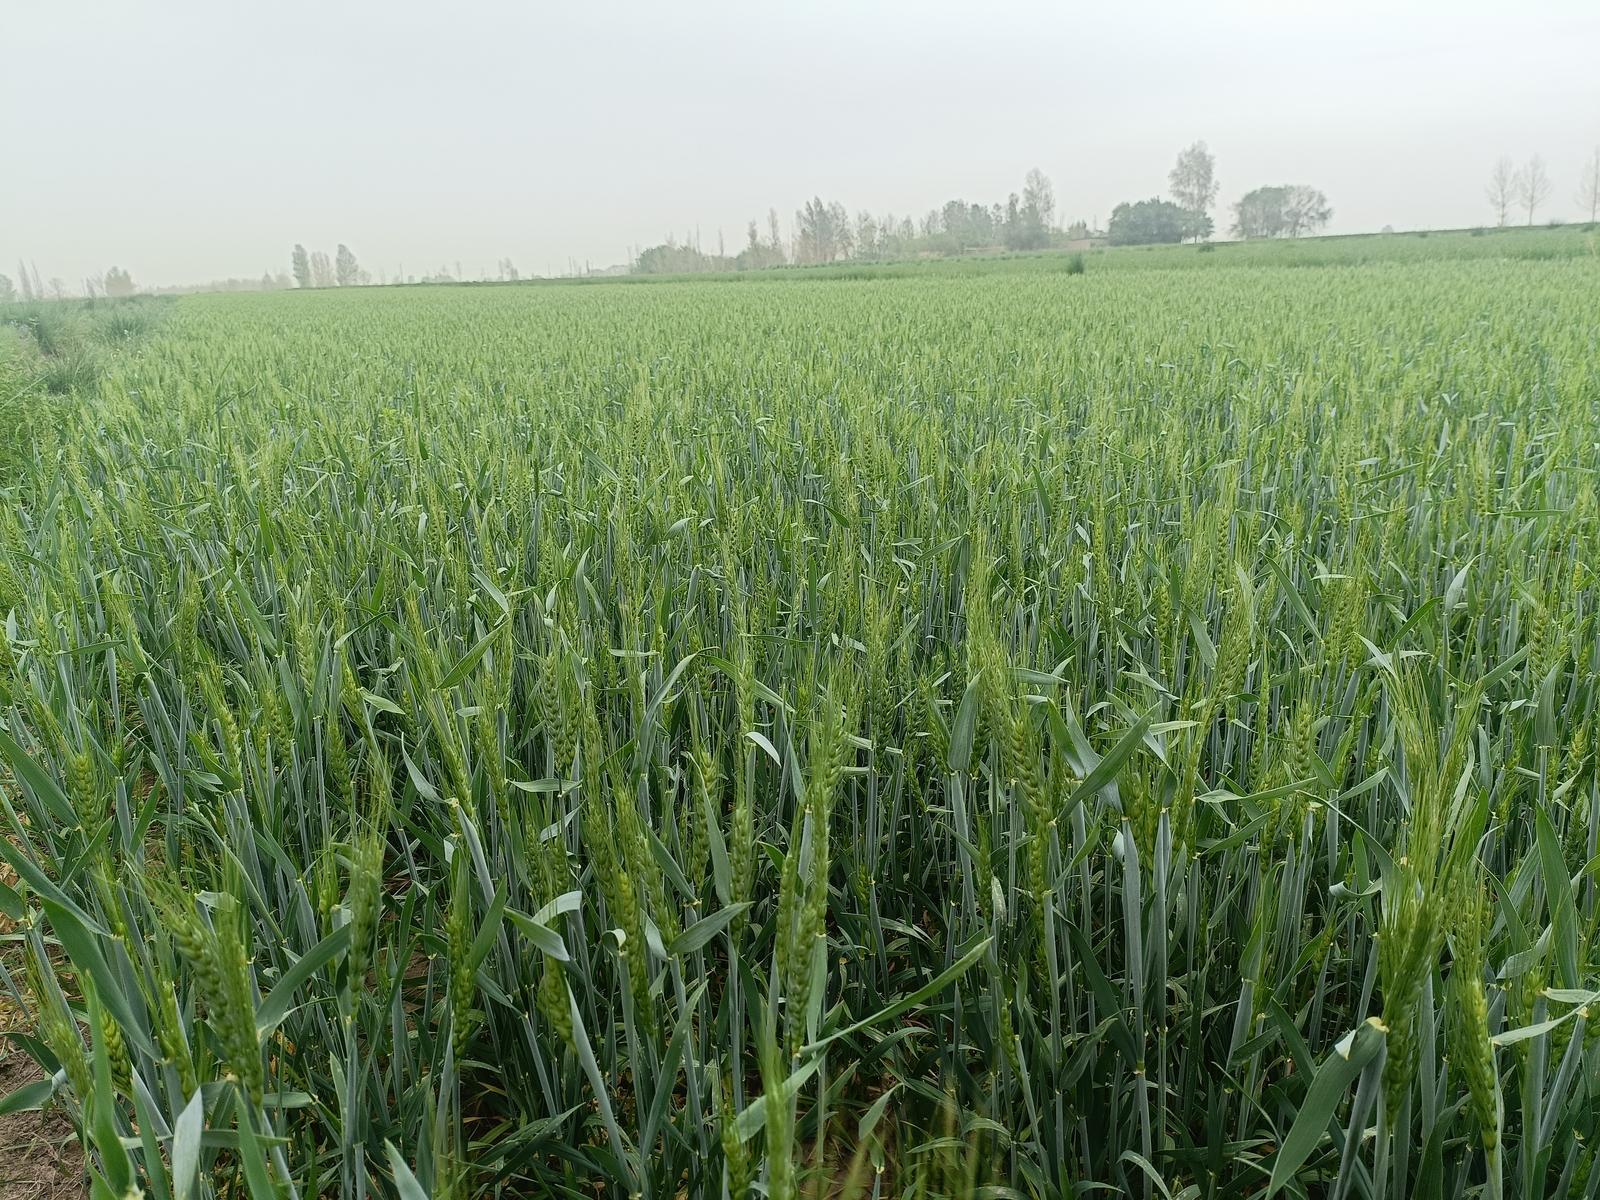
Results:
192 139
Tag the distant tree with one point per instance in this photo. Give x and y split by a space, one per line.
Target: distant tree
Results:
58 288
674 258
1039 198
1502 189
119 283
322 275
844 234
1533 186
1024 222
1588 194
27 284
981 225
301 263
775 236
1149 222
1194 187
896 236
1305 210
963 226
1283 211
953 220
757 253
866 235
1259 213
8 290
346 271
822 232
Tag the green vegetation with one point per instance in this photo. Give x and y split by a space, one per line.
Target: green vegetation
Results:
976 730
1514 243
49 349
1149 223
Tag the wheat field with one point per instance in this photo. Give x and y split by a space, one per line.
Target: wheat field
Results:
1003 732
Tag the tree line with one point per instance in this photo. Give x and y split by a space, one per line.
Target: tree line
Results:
317 270
1523 190
1274 210
115 283
824 230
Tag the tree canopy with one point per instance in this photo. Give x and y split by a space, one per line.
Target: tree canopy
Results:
347 272
118 282
1284 210
1149 222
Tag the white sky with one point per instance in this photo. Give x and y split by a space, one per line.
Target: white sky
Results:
194 139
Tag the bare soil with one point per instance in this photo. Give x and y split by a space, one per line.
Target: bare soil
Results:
39 1154
40 1158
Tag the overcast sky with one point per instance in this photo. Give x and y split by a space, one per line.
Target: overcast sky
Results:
190 139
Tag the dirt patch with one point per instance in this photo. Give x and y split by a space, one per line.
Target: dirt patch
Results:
40 1158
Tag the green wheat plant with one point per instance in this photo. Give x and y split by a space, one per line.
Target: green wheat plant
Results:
988 732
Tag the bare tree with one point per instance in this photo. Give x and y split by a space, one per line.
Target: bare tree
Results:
1502 189
1588 195
1533 186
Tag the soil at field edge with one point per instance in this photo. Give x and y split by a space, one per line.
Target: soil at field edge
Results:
39 1155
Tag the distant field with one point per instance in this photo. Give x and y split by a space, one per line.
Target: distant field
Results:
1514 242
953 728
